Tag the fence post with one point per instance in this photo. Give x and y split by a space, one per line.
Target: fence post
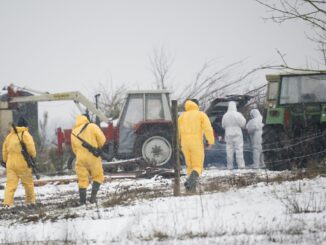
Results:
175 145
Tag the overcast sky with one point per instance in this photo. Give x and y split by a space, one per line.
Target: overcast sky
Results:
64 45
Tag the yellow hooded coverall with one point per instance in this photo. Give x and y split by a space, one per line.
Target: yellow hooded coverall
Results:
16 166
86 162
193 125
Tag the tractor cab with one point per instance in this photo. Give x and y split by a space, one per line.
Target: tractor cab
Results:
144 127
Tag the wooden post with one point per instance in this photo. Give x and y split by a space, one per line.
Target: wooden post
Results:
175 145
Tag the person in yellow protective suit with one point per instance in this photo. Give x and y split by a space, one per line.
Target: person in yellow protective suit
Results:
86 163
193 125
16 166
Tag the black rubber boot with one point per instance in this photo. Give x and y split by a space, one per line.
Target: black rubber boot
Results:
186 184
192 182
95 188
82 196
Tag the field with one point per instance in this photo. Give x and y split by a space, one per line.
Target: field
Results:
231 207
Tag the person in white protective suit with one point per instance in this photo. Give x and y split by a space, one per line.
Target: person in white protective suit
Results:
232 122
255 130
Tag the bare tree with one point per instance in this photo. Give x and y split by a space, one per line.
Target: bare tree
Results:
111 98
258 95
311 12
219 82
211 82
161 67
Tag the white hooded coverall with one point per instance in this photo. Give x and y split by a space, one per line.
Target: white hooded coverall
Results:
232 122
255 130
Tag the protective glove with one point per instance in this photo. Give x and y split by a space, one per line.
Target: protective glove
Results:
3 164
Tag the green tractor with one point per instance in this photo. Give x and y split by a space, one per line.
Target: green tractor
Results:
295 120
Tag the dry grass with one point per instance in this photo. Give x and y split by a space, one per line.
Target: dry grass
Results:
47 242
225 183
192 235
296 203
159 235
128 195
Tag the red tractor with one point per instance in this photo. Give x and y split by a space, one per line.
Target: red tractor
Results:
144 129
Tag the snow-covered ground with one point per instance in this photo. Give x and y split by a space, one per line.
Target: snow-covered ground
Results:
144 211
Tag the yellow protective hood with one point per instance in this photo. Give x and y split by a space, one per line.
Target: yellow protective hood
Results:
191 106
80 120
19 129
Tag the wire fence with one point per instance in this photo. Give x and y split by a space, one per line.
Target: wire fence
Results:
289 153
299 140
281 161
286 154
289 144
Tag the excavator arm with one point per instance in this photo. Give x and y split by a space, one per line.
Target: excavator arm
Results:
75 96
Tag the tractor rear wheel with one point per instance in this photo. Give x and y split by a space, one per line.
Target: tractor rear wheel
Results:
155 147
